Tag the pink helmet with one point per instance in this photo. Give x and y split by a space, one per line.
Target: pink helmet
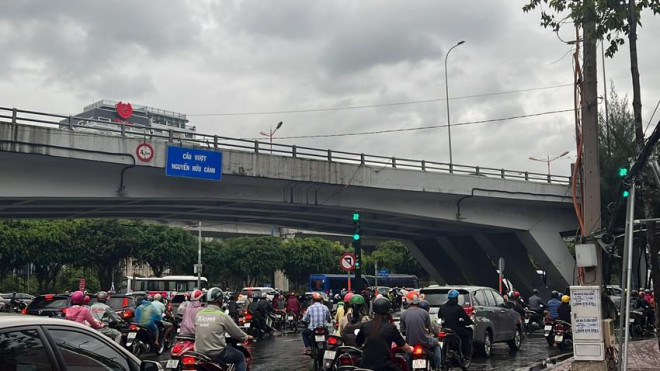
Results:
196 295
77 298
347 297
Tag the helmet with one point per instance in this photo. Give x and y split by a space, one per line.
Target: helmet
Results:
158 297
554 294
86 300
340 304
317 297
647 291
102 296
347 297
516 294
214 295
453 294
565 299
382 305
357 300
196 295
425 305
412 298
77 298
535 292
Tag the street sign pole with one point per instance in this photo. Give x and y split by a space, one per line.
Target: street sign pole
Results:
500 268
348 275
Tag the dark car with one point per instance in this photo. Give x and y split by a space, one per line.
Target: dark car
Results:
50 305
494 322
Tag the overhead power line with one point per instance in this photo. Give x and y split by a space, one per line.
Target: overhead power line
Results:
373 105
419 128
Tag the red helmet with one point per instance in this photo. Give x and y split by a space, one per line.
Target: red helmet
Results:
196 295
317 296
347 297
77 298
516 294
86 300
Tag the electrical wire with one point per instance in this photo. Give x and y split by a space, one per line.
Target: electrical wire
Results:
374 105
418 128
651 119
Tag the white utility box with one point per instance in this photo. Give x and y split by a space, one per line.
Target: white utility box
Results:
585 255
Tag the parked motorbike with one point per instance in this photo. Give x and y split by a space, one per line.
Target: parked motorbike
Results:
140 340
533 321
450 343
639 324
183 344
563 334
192 360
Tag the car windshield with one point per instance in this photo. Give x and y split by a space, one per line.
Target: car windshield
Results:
54 303
438 297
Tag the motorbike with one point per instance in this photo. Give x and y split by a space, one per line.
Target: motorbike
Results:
318 346
291 322
16 306
250 325
192 360
533 321
563 335
140 340
450 343
421 358
277 320
184 344
639 324
548 331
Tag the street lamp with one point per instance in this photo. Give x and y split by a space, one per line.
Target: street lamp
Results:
548 160
271 133
451 159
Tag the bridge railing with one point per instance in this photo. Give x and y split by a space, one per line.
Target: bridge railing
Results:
88 125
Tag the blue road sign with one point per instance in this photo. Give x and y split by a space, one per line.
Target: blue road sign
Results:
383 273
193 163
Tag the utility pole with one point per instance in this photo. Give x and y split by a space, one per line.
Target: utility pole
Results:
591 172
199 256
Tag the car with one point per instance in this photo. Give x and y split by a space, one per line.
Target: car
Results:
32 343
494 323
247 292
49 305
177 299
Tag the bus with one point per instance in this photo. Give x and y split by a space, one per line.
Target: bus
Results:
394 280
332 284
167 286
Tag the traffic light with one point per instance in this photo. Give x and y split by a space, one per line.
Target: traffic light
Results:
357 231
622 172
357 264
626 193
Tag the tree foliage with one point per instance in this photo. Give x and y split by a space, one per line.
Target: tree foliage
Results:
393 255
305 256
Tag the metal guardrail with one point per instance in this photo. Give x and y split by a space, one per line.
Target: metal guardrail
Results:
15 116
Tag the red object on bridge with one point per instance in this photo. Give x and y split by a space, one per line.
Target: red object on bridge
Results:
124 110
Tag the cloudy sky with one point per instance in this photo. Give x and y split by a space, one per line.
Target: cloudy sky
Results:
236 67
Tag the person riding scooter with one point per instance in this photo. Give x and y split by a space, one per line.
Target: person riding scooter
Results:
103 313
211 324
564 310
188 321
416 325
456 319
553 305
146 315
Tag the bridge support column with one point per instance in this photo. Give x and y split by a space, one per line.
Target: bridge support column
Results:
470 259
552 255
518 268
429 267
429 252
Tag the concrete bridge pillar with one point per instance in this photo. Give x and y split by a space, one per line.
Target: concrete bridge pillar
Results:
466 254
430 253
518 268
551 254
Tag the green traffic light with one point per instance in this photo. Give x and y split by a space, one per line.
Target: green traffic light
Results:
356 217
626 193
623 172
356 237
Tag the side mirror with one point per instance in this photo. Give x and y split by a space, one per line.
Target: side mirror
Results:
150 366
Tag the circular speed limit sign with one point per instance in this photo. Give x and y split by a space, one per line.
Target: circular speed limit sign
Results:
144 152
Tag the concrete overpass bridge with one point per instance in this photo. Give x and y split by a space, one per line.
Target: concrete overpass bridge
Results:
457 221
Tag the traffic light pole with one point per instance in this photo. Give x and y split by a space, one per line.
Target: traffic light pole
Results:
357 245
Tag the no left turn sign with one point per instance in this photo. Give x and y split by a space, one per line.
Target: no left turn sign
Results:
144 152
347 261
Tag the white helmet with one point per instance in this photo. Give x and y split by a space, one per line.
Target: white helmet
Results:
158 297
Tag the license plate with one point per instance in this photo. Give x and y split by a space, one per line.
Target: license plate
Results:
277 316
289 318
329 354
526 320
131 335
559 338
419 363
247 325
319 338
172 363
548 328
632 320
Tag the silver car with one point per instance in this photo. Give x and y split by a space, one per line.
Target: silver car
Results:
39 343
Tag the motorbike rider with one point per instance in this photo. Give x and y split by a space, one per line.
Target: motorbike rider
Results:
103 313
640 303
435 328
415 323
515 305
564 310
188 321
167 325
377 337
232 307
352 320
146 315
211 324
14 302
553 304
317 315
259 313
536 303
456 319
341 312
80 313
293 305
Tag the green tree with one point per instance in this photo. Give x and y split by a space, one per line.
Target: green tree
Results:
393 255
12 254
306 256
69 279
163 247
255 258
